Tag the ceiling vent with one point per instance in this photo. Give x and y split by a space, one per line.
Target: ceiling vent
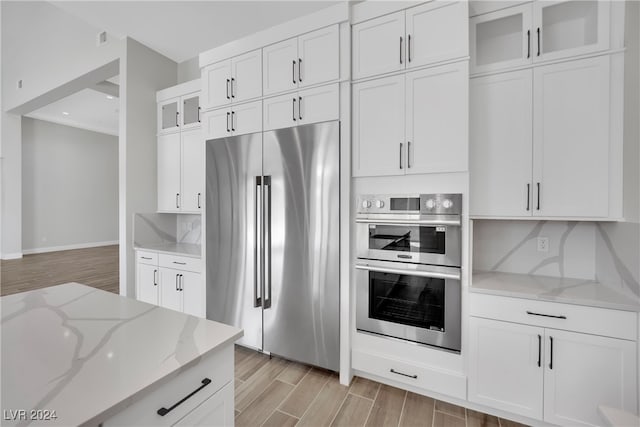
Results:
101 38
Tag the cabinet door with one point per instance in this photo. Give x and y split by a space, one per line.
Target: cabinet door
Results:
169 116
378 127
506 366
218 410
437 31
569 28
216 85
571 122
500 144
246 76
190 111
583 372
501 39
319 104
170 293
246 118
437 115
193 294
318 56
147 283
280 111
169 172
216 124
280 63
192 170
378 46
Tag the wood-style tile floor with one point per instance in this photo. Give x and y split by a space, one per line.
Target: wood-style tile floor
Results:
277 392
97 267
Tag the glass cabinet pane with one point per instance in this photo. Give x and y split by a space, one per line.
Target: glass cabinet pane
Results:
170 115
190 110
569 25
499 40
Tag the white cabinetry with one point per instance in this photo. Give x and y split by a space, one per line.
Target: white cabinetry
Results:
307 106
171 281
301 61
399 128
526 125
179 112
549 369
218 410
234 80
238 119
421 35
538 31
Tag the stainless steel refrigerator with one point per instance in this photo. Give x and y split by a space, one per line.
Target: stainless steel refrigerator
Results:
272 240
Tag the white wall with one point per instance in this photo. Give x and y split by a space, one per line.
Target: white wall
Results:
142 73
70 187
11 191
189 70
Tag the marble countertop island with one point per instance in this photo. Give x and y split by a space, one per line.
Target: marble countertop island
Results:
87 354
555 289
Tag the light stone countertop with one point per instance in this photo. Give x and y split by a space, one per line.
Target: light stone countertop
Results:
554 289
185 249
87 354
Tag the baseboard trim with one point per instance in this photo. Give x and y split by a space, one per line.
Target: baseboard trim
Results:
16 255
69 247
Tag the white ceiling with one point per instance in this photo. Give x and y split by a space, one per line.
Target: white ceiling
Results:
88 109
181 30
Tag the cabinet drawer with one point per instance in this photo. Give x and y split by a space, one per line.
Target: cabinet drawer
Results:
180 262
448 383
579 318
144 257
218 368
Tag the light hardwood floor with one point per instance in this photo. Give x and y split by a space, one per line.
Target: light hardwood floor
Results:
97 267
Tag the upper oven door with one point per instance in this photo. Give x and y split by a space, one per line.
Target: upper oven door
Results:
424 242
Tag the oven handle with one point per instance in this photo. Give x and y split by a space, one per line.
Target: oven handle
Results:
409 221
432 274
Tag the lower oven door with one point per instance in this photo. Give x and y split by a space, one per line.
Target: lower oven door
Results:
419 303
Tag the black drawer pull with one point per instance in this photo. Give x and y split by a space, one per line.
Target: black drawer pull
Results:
145 257
393 371
531 313
181 263
164 411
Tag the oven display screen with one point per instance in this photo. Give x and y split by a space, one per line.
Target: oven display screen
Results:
407 238
405 204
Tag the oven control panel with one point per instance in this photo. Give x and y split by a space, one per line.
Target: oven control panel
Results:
426 204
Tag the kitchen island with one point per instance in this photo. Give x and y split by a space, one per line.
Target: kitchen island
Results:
75 355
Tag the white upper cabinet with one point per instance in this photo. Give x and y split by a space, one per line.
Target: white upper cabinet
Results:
426 34
437 131
538 31
500 144
314 105
238 119
233 80
571 138
169 172
378 120
192 171
309 59
169 115
190 111
436 31
378 46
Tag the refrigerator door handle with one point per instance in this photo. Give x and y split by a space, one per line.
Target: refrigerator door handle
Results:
257 245
266 180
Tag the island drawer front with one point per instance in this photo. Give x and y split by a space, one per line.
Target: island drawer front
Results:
181 262
448 383
569 317
144 257
144 412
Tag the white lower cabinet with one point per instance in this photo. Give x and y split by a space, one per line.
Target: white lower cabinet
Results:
171 281
557 376
218 410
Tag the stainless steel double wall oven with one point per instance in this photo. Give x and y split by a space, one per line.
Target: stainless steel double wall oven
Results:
408 267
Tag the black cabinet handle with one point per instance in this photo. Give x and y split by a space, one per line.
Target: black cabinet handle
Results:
408 154
531 313
539 350
300 107
181 282
300 70
145 257
401 49
177 200
177 288
538 41
401 155
528 43
199 207
551 353
538 206
228 114
198 114
228 81
155 278
408 57
179 263
164 411
294 110
393 371
528 194
233 119
293 72
233 92
177 119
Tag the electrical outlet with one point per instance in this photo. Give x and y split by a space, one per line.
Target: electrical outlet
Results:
543 244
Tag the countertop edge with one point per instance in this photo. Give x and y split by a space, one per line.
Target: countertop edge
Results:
168 252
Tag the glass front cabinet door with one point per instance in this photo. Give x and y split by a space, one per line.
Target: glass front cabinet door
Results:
190 111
